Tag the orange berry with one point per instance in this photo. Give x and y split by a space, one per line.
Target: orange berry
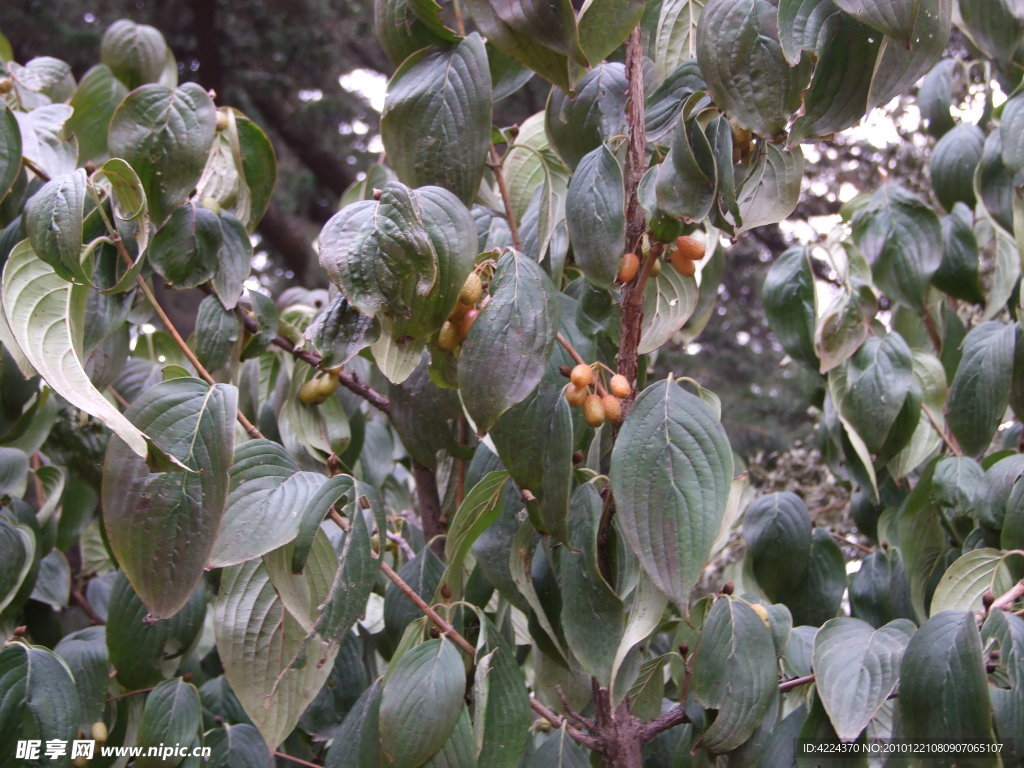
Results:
582 375
629 265
619 385
448 338
690 247
683 265
465 322
612 408
576 395
593 410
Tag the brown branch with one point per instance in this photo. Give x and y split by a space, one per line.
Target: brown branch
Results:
1005 600
499 176
127 694
675 716
428 500
947 438
843 540
43 175
796 682
296 760
86 607
636 164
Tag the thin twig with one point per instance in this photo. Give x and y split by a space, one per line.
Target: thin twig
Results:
571 713
843 540
126 694
499 176
567 345
796 682
947 438
43 175
1007 599
402 544
297 760
467 647
86 607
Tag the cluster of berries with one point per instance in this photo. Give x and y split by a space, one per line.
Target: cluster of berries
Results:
687 251
605 403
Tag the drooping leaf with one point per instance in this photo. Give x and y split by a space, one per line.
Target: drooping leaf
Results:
53 222
172 715
579 124
94 101
36 703
954 159
143 651
263 509
957 275
965 582
475 514
595 211
895 18
669 301
341 332
506 353
675 38
996 27
85 653
437 118
670 472
185 250
788 299
46 315
856 667
734 672
19 546
935 96
899 65
604 25
237 746
136 53
902 239
817 598
260 637
10 149
161 525
421 703
878 380
1007 631
165 135
398 30
943 689
741 58
1011 126
771 188
981 387
777 529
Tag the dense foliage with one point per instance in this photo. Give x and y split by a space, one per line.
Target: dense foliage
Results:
446 519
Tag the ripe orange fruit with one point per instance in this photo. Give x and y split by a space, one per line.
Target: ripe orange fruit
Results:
448 338
465 322
629 265
472 290
582 375
612 408
575 396
593 410
690 247
683 265
619 385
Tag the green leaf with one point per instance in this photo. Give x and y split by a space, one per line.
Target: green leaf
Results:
508 31
595 212
597 112
475 514
981 387
817 598
880 591
856 667
356 742
171 716
559 751
436 123
423 415
670 470
965 582
902 240
788 299
935 96
268 493
995 27
217 333
741 59
53 583
458 751
423 574
604 25
85 653
501 704
958 273
166 136
341 332
943 689
259 168
53 222
398 30
733 672
592 614
18 544
135 53
771 189
165 551
145 651
43 141
669 301
777 529
878 380
675 38
1007 631
954 159
506 353
1011 124
899 66
46 316
94 101
185 249
421 703
10 149
236 746
275 666
36 703
895 18
666 103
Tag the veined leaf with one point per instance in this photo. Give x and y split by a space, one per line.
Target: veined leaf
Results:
46 315
161 525
671 469
981 387
788 299
595 211
53 222
172 715
669 301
